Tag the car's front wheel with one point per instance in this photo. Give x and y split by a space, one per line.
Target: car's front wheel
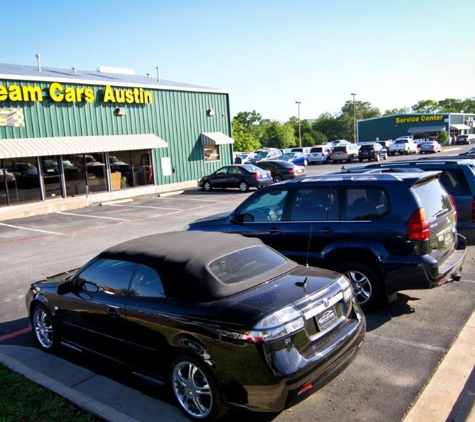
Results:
243 186
207 186
196 389
278 178
44 328
365 284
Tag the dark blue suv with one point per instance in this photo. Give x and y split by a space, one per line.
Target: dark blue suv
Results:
385 232
458 179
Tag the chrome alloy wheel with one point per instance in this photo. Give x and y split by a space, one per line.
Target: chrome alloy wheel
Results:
192 389
361 285
44 329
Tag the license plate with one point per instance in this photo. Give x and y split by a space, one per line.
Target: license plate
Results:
326 318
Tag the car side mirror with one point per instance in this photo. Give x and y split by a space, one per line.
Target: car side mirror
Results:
65 287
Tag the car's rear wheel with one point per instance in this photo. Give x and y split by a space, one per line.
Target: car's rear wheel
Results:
44 328
207 186
278 178
243 186
377 157
196 390
365 284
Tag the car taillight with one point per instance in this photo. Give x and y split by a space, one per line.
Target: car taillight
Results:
279 324
255 175
291 171
418 226
454 205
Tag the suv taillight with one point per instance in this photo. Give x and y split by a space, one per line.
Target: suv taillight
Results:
418 226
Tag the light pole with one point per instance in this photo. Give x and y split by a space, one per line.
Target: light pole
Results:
300 132
354 117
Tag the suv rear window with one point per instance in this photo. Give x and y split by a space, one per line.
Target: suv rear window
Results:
428 191
317 149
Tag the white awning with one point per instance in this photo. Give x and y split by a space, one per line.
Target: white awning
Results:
424 129
64 145
215 138
459 127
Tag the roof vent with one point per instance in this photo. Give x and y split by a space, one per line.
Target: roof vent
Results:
116 70
158 73
38 59
73 69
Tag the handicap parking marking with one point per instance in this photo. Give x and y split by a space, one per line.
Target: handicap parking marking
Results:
27 228
146 206
91 216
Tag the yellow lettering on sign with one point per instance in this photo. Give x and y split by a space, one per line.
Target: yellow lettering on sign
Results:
109 95
3 93
14 93
89 95
32 93
129 96
56 92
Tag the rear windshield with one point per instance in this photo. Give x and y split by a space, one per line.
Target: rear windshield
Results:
434 198
245 264
318 149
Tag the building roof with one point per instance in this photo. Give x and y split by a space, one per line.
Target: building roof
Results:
102 76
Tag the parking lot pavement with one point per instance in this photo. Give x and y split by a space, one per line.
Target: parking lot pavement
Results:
449 395
404 346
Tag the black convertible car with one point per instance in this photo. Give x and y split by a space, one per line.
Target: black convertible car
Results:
232 324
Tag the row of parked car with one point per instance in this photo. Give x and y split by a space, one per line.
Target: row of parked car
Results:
265 301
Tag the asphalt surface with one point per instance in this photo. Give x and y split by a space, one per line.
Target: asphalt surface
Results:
449 395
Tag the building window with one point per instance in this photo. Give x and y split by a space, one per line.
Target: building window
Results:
211 152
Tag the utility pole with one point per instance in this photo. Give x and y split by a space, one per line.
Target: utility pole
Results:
354 117
300 132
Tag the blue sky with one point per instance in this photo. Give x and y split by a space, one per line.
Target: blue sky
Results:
266 54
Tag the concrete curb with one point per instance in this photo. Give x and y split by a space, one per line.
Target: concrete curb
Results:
437 400
84 402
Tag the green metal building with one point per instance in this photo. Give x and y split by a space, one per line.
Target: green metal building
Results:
418 125
104 134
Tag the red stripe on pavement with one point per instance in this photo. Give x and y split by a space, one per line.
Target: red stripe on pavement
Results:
15 334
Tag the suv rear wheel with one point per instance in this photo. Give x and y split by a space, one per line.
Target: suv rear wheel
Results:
365 284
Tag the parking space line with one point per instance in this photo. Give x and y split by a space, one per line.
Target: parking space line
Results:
145 206
91 216
409 343
26 228
192 199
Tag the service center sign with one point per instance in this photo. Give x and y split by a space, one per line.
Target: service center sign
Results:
58 93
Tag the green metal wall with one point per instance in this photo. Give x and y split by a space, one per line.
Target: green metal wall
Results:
178 117
391 127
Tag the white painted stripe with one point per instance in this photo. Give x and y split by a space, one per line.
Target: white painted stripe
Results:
26 228
409 343
192 199
144 206
91 216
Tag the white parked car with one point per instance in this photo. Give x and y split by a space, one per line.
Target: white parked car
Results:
319 154
430 146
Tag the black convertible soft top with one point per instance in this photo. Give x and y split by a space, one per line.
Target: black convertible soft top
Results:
182 260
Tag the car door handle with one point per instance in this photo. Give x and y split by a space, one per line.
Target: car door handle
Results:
274 230
113 312
326 230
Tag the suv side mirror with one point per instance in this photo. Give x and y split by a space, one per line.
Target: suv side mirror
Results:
245 218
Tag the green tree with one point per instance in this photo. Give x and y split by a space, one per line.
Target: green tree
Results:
402 110
278 135
248 118
469 105
425 106
450 105
244 140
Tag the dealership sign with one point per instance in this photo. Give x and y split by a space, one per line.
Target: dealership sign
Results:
58 93
417 119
